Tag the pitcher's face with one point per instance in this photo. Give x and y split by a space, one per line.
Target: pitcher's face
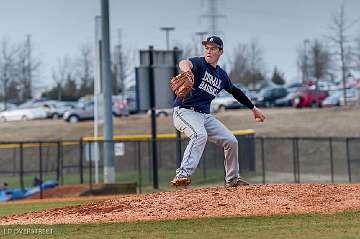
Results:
212 53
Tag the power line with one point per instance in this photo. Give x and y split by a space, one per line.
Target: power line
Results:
212 15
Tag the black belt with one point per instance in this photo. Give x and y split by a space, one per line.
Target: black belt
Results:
193 109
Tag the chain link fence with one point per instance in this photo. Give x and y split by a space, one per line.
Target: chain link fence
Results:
262 160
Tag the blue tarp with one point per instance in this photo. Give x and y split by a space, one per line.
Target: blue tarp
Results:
16 193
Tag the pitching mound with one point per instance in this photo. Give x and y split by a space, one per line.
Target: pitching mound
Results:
255 200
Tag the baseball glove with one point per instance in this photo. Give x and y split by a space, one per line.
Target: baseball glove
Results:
182 84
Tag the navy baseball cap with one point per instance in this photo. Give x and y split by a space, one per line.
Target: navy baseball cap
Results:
214 40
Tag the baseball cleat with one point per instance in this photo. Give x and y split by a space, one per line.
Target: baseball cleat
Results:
180 181
237 182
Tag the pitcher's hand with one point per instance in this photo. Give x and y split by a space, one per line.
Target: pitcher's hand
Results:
258 114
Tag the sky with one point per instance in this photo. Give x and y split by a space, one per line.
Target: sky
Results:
61 27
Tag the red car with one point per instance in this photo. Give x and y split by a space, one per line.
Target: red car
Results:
309 98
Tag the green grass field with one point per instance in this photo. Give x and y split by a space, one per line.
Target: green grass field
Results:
340 225
10 209
200 178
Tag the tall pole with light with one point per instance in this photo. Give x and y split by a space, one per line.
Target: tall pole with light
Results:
167 34
201 36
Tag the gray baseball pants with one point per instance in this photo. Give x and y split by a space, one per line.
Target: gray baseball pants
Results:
200 128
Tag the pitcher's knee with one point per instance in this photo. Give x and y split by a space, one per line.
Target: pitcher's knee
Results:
200 136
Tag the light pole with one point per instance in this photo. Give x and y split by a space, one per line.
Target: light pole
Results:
201 35
109 166
167 30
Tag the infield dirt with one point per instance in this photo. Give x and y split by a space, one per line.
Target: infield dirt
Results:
254 200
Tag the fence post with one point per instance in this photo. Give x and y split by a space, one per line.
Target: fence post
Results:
204 167
62 162
22 166
263 160
41 170
90 167
149 162
81 148
331 160
294 160
348 159
58 162
298 160
138 153
14 171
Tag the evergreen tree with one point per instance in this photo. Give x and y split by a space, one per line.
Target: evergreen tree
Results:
277 77
70 91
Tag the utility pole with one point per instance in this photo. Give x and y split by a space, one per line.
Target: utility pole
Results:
109 169
153 117
98 95
167 34
212 15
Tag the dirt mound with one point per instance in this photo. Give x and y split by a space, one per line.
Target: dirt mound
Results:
255 200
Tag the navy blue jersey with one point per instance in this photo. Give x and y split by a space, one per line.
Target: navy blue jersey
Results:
208 82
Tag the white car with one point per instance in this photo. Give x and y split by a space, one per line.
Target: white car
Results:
22 114
224 101
336 98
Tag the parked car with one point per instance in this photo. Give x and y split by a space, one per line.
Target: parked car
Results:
267 96
309 98
287 100
161 112
120 106
22 114
7 106
323 85
251 94
224 101
331 100
54 109
83 112
336 97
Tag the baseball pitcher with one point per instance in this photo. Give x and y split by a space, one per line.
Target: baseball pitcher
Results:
198 84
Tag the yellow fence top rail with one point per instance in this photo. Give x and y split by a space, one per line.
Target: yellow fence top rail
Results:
138 137
145 137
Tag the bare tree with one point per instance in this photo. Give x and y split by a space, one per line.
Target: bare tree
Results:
303 60
341 41
320 60
27 68
247 65
7 66
85 70
256 62
239 64
122 68
61 74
